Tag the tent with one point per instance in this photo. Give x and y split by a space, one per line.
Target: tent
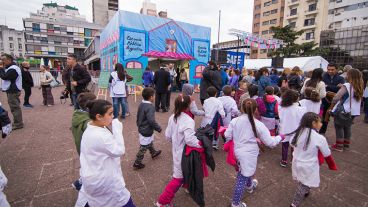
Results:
305 63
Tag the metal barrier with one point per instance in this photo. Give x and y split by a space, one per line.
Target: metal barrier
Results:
36 78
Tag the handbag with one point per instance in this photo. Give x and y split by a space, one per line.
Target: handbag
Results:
54 83
343 118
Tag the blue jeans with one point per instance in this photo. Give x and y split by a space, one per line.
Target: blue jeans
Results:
74 97
116 103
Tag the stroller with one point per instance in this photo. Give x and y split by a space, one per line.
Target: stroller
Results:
5 122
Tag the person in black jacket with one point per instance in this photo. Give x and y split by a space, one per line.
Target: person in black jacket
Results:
161 79
78 79
146 125
211 77
27 83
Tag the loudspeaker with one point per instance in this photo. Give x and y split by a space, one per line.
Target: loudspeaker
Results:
277 62
222 56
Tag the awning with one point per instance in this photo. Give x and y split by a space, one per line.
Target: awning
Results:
170 55
92 59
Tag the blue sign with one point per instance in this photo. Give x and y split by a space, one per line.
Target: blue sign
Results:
134 44
201 51
232 57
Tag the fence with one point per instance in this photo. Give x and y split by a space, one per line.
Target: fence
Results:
36 78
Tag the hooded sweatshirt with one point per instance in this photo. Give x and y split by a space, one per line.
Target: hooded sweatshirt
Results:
79 124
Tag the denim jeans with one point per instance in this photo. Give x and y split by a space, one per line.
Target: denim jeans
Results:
117 102
74 97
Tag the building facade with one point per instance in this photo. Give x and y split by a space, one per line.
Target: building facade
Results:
149 8
12 42
104 10
307 15
347 13
55 31
266 13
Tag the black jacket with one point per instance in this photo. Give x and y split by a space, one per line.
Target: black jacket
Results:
27 80
295 82
192 165
161 79
211 77
332 82
146 120
10 75
80 75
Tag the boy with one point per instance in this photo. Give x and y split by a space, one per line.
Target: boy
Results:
230 107
146 124
79 124
238 93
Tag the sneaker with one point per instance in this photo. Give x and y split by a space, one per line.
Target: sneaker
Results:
27 105
157 153
77 185
157 204
127 114
346 147
283 163
254 186
215 147
49 105
138 166
19 127
240 205
335 147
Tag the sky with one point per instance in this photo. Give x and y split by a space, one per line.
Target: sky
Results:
234 13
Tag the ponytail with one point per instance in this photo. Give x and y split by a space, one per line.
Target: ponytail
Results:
181 104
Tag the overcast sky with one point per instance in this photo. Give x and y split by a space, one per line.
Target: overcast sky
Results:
234 13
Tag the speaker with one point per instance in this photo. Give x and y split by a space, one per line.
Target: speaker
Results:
222 56
277 62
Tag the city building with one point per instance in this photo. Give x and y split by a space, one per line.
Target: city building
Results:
149 8
104 10
55 31
344 13
92 54
309 16
266 13
12 42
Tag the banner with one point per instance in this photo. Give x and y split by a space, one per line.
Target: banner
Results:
232 57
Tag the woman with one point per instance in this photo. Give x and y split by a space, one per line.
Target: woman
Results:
262 80
274 77
45 79
294 80
118 90
349 97
315 82
283 78
249 77
234 80
147 77
183 78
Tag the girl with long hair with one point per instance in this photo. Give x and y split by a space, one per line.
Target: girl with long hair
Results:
262 80
312 101
294 81
118 90
315 82
246 148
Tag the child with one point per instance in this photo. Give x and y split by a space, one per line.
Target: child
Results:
3 183
46 78
80 120
290 114
312 101
253 93
101 149
180 131
307 145
146 124
269 110
246 149
188 90
211 106
240 91
230 107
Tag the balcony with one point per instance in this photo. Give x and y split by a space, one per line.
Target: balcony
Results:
305 27
290 17
293 3
307 12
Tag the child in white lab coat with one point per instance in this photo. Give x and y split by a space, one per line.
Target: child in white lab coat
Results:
312 101
290 114
180 131
229 104
308 143
188 90
211 106
3 183
246 148
101 149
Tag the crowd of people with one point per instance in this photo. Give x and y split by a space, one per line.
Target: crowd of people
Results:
248 109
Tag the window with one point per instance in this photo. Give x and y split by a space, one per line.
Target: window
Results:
331 11
274 11
265 23
293 12
257 7
273 21
292 24
265 32
309 22
266 13
11 46
257 16
312 7
267 4
50 26
36 27
263 51
20 47
19 39
256 25
10 38
309 35
274 1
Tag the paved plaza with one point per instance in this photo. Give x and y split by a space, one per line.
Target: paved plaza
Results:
41 162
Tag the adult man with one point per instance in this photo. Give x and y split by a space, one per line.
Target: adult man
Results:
333 83
78 78
12 85
173 76
27 83
161 79
211 76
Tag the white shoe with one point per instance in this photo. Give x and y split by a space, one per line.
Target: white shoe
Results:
254 186
157 204
242 204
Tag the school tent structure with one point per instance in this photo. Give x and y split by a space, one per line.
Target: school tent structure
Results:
305 63
133 39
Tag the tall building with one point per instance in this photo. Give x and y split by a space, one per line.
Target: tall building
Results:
307 15
347 13
104 10
55 31
266 13
12 41
149 8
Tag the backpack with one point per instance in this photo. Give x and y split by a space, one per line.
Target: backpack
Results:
270 109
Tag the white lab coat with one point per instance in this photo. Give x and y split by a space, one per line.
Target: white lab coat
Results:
311 106
194 109
290 119
211 106
102 178
245 144
180 133
3 183
305 167
230 108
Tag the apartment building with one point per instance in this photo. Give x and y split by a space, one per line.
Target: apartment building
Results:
266 13
308 15
347 13
55 31
11 41
104 10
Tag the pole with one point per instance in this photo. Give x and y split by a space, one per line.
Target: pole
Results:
237 54
218 36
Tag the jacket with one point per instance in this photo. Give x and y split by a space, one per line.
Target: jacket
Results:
332 82
194 162
147 78
295 82
216 124
262 83
80 75
211 77
80 120
270 109
27 80
12 76
146 122
162 80
224 78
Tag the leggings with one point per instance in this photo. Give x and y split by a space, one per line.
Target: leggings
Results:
239 188
301 191
285 151
171 188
